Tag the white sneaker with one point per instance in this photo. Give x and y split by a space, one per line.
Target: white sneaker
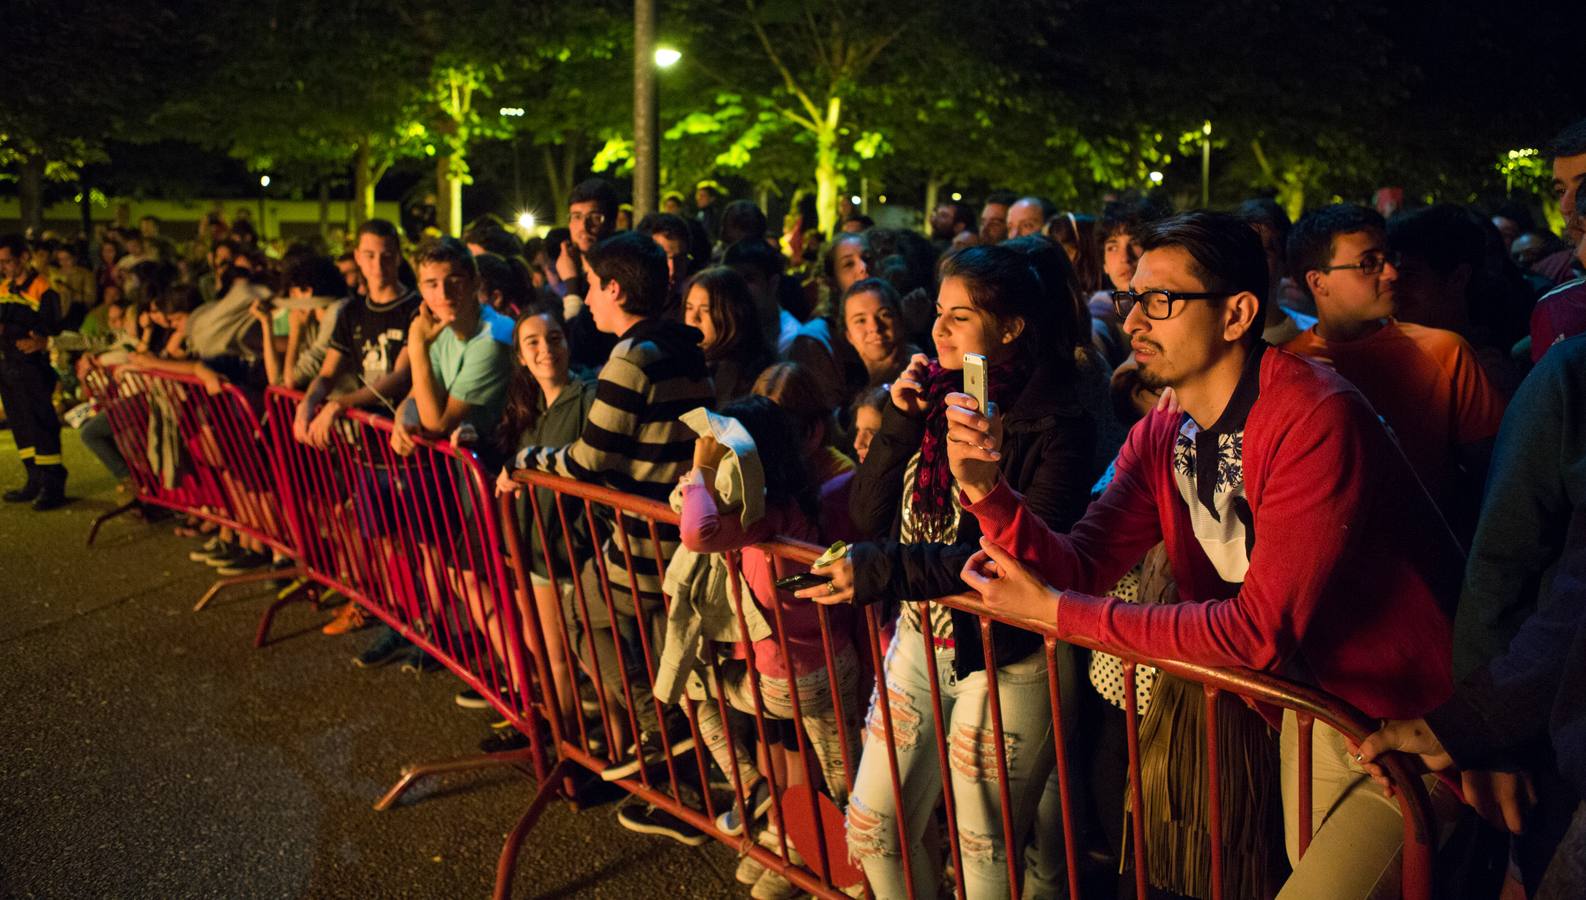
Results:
772 886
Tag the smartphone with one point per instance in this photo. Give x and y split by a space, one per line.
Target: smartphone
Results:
800 581
975 379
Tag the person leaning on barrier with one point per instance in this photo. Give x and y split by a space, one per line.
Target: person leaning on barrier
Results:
1536 690
991 303
364 366
632 442
1348 586
1537 482
458 369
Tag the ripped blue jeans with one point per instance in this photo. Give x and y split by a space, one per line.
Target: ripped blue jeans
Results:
872 827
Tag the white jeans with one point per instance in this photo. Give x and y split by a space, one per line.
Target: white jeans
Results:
873 837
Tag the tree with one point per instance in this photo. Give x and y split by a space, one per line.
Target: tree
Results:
59 109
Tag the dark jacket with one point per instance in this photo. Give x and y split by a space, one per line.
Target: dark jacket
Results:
1048 444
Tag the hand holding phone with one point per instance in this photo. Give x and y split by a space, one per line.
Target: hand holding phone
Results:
975 380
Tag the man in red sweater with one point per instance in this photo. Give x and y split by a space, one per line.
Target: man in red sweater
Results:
1301 541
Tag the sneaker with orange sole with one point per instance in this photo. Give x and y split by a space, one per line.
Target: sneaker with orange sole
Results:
349 618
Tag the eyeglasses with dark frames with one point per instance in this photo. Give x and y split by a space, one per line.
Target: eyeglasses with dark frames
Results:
1371 262
1157 305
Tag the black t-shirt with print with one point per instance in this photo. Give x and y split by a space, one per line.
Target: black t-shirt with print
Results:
372 335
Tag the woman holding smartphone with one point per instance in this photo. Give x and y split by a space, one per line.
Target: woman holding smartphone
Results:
990 304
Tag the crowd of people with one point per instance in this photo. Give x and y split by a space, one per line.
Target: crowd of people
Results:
1391 398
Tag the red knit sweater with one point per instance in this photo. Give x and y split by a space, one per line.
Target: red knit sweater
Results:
1351 576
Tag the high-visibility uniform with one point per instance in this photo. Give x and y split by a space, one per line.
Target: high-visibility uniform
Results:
28 306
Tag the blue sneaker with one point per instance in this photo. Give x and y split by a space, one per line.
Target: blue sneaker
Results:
759 803
387 646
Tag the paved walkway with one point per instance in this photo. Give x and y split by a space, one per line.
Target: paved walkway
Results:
147 751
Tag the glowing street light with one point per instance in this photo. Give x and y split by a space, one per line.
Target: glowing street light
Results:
1156 177
512 112
264 181
957 196
667 57
526 221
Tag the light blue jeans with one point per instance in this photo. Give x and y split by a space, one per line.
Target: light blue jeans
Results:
873 838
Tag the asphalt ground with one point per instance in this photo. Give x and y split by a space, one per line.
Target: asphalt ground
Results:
150 751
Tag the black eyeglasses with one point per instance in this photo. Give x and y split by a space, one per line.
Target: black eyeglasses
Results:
1370 263
1156 304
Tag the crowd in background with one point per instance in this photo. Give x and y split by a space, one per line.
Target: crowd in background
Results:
1391 397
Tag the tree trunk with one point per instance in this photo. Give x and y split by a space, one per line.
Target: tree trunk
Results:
363 182
933 187
85 205
449 193
826 167
30 191
324 207
559 178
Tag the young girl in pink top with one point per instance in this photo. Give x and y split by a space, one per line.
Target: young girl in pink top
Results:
793 656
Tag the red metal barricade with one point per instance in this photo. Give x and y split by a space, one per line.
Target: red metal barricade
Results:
198 453
547 635
808 851
416 541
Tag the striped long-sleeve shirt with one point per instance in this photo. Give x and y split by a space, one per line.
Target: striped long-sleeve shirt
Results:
633 441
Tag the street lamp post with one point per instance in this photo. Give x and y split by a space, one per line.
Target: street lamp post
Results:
646 137
1206 164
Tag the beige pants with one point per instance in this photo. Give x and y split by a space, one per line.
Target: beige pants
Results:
1357 831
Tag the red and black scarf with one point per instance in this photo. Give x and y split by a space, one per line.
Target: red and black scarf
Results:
932 495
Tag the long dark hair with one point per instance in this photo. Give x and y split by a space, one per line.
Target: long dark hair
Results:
732 312
522 409
776 439
1060 284
1004 282
1078 230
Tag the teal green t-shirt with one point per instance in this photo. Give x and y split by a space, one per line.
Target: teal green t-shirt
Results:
476 372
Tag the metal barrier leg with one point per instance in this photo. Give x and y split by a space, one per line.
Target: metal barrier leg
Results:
123 509
251 577
508 864
305 590
522 760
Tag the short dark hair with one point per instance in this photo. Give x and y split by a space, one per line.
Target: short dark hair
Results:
381 228
880 287
638 265
446 250
177 299
742 220
507 274
865 222
1001 198
1569 142
1266 211
668 225
1225 254
1445 236
1130 216
494 239
16 243
963 213
1310 243
755 254
318 274
599 190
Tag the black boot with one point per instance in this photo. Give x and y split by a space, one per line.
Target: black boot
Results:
27 491
52 488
